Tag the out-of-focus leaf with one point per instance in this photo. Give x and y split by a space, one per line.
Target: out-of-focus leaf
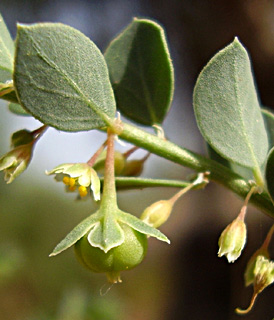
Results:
6 52
269 173
269 125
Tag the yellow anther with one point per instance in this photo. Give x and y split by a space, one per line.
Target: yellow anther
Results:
83 191
66 180
72 188
72 182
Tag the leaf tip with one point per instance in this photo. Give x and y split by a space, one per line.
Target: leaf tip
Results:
52 254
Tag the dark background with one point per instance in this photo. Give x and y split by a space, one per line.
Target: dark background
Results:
185 280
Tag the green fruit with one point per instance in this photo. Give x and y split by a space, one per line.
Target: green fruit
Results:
124 257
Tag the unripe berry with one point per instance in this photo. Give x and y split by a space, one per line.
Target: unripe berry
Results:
123 257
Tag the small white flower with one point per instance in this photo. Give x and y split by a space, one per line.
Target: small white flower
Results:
78 175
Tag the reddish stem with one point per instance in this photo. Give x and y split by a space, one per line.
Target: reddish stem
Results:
93 159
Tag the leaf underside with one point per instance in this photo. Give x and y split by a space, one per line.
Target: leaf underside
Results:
227 108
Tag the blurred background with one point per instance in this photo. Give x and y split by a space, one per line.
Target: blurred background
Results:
184 280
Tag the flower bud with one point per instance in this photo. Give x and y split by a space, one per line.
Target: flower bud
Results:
119 163
250 267
232 240
133 168
263 273
157 213
16 161
21 137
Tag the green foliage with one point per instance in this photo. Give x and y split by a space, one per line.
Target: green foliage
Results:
269 173
227 108
141 72
61 77
269 125
6 52
17 109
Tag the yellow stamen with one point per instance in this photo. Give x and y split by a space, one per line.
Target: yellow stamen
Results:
72 188
72 182
83 191
66 180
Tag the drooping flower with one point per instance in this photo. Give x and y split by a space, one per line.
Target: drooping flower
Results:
232 240
16 161
79 176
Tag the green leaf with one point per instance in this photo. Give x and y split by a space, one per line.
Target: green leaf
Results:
141 72
11 97
61 77
269 125
76 234
6 52
246 173
17 109
141 226
269 174
227 108
106 234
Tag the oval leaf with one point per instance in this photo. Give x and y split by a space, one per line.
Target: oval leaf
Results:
76 234
227 108
6 52
269 173
141 72
61 77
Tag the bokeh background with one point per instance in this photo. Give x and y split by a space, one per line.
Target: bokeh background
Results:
184 280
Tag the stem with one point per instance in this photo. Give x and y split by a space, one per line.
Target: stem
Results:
200 180
37 134
268 238
93 159
39 131
130 151
247 198
109 198
245 311
218 172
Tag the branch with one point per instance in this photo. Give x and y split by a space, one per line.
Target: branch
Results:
218 172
